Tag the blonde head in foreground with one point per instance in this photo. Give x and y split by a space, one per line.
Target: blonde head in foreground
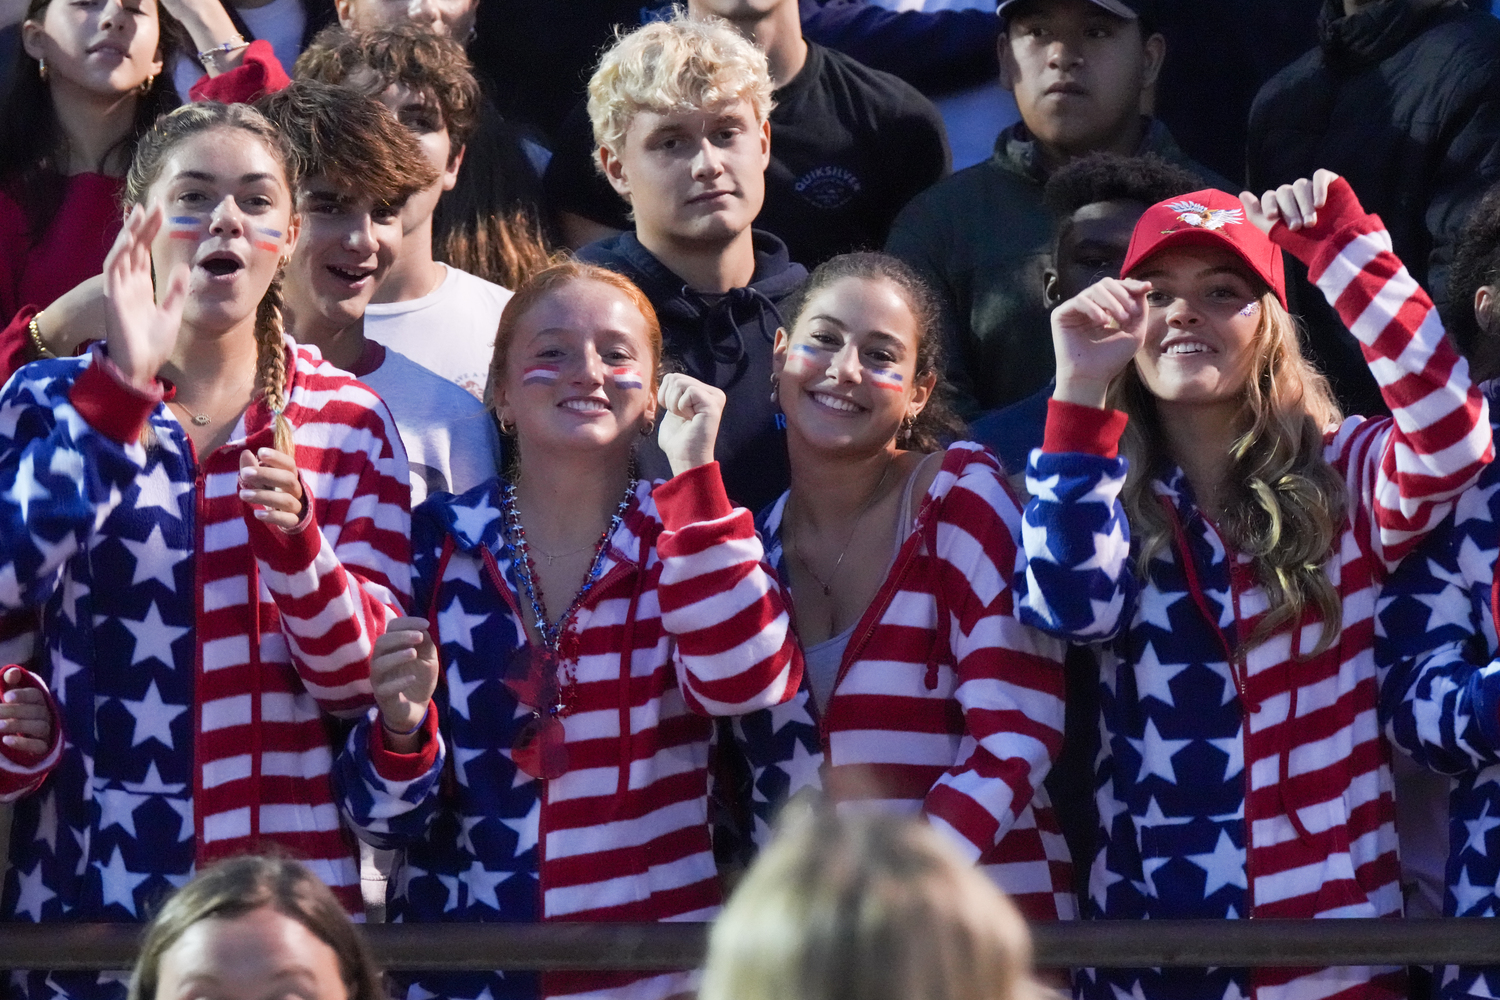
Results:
867 908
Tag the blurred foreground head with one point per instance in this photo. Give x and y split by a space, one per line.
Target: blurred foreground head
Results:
254 928
867 908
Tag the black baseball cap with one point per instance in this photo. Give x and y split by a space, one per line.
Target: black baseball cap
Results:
1130 10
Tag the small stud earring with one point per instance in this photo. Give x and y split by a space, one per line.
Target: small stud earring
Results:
41 64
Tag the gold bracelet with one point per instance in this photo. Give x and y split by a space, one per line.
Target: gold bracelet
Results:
42 350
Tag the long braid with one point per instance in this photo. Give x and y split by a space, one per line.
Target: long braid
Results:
270 363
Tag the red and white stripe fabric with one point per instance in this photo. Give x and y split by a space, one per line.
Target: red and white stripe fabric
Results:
945 704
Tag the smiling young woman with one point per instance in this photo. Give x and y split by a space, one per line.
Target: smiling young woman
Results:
228 516
587 624
86 86
1226 556
923 692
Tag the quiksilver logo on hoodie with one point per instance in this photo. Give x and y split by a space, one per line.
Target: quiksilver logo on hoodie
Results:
828 187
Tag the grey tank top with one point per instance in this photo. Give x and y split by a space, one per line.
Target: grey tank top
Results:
822 661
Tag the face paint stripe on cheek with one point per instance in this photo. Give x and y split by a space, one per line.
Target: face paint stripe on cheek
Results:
185 227
802 358
539 375
885 379
1251 308
267 245
626 378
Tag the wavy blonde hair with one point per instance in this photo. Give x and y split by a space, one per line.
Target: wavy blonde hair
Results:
867 907
681 64
1285 506
151 154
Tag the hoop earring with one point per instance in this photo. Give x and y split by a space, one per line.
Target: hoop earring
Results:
508 429
145 87
649 428
41 67
775 388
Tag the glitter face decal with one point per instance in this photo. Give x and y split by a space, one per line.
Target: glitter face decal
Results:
625 377
539 375
884 378
1251 308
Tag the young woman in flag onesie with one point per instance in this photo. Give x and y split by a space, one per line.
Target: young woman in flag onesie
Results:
214 525
1435 638
924 694
1229 569
541 746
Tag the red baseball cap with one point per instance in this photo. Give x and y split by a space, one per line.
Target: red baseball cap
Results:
1206 218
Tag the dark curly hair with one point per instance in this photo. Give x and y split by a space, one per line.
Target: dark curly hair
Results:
1476 263
1097 177
938 423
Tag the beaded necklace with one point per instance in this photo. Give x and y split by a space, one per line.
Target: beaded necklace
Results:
552 632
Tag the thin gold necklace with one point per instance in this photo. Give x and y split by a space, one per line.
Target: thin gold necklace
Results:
853 527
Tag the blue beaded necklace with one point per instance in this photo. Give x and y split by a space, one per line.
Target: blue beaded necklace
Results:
550 631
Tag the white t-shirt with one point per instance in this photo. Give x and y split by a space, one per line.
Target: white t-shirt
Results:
451 441
450 330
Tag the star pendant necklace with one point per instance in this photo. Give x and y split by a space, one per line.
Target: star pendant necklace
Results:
827 584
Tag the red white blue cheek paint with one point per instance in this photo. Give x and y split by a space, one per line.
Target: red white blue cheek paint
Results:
1251 308
539 375
884 378
263 239
803 358
626 378
184 227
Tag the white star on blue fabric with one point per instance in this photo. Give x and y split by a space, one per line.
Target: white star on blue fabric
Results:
1111 549
470 522
1154 606
482 882
459 691
153 637
1479 829
117 808
455 624
155 560
26 489
1156 752
1468 895
526 827
1234 749
1224 865
1153 678
801 769
53 554
461 758
119 882
34 893
153 717
46 824
157 489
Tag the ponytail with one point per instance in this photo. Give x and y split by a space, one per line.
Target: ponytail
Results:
270 363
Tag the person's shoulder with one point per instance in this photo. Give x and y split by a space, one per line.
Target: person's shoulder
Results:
880 93
330 395
1306 70
976 194
473 518
400 376
463 284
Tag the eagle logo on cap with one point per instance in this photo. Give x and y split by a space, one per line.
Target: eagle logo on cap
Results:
1203 217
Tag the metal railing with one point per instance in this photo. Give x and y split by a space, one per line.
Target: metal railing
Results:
650 947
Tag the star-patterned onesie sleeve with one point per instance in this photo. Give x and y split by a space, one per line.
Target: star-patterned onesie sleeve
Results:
1075 583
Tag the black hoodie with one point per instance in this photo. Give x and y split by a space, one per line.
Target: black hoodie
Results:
724 340
1403 100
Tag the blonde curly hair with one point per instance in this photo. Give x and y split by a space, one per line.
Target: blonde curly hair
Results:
680 64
